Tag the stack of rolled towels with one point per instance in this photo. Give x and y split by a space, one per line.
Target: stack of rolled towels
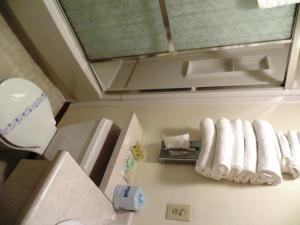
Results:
246 152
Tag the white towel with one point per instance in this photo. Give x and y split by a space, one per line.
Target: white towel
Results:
285 151
294 163
278 150
268 165
248 173
223 151
274 3
237 160
204 162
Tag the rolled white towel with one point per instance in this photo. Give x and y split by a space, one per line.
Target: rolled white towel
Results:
223 151
278 150
285 151
294 163
204 162
268 165
248 174
237 160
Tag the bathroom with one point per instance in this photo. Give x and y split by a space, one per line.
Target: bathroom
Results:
153 68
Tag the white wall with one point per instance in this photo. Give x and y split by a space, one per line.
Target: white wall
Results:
106 72
16 62
50 34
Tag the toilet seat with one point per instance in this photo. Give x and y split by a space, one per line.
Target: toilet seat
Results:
27 124
26 117
7 145
70 222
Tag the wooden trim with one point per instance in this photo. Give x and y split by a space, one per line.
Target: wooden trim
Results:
105 155
62 112
195 51
294 54
165 17
225 96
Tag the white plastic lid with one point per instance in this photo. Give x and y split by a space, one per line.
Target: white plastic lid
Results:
26 117
70 222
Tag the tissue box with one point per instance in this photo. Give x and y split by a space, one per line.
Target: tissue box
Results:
180 155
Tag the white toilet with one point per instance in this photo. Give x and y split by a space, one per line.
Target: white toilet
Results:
27 123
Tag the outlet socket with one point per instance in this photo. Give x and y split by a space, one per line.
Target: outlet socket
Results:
178 212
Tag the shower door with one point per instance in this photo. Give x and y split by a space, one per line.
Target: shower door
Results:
173 45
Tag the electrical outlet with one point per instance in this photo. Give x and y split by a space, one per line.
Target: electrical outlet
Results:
178 212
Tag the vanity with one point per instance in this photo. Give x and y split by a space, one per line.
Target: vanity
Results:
70 188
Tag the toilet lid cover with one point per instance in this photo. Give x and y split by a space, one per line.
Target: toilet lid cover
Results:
26 117
70 222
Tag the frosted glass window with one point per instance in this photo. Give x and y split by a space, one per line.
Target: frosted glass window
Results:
117 28
209 23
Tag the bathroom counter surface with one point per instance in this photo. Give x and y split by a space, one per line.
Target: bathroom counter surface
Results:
212 202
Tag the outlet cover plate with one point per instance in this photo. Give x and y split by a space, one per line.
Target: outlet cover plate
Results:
179 212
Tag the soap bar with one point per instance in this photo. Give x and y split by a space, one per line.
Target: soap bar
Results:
137 152
180 141
129 169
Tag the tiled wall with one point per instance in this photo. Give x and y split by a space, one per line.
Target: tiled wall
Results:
16 62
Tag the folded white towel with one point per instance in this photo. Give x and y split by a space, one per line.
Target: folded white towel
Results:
274 3
268 165
278 150
208 134
237 160
223 151
294 163
285 151
248 174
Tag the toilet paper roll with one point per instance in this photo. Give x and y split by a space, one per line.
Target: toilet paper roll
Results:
127 197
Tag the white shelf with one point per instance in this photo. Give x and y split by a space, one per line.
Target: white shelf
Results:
228 66
131 134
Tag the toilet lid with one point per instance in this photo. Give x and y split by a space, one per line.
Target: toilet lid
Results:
70 222
26 117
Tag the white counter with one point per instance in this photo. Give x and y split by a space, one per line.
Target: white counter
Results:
213 203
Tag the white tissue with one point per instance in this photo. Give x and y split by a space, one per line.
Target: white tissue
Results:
180 141
204 162
223 152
